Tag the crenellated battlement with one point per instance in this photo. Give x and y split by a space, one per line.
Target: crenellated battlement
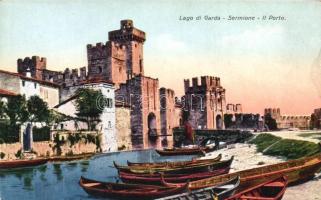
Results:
68 77
207 83
167 92
35 65
127 32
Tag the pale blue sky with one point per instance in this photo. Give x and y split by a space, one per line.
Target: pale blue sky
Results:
261 63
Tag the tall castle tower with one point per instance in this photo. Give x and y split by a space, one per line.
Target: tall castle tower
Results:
119 59
205 102
35 65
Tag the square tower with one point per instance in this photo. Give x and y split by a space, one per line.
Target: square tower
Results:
205 102
121 58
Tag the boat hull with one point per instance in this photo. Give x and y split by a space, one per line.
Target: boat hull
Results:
296 171
203 167
183 151
128 191
219 192
174 164
21 163
273 189
176 178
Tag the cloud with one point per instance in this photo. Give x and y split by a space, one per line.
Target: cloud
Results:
165 42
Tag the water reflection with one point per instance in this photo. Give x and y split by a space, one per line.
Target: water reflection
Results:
84 166
57 171
60 180
27 183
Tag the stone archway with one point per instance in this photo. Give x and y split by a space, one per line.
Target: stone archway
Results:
152 129
219 122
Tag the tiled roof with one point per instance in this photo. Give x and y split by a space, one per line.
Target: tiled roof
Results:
31 79
7 93
67 100
96 81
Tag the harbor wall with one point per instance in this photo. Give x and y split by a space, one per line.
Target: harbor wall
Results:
46 148
229 136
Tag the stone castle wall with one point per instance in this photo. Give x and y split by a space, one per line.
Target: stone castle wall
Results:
142 94
167 114
123 128
205 102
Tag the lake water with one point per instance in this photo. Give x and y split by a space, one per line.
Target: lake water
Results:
58 181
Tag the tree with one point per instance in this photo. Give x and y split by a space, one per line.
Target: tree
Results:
16 110
38 109
270 122
87 108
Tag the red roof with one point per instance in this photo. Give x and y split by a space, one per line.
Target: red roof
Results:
30 79
7 93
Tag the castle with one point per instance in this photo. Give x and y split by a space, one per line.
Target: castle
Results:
288 121
154 111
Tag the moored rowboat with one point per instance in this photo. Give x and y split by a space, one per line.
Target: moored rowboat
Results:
271 190
22 163
128 191
183 151
174 164
171 178
202 167
71 157
219 192
295 170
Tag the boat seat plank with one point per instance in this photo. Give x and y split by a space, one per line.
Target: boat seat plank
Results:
91 184
257 198
275 184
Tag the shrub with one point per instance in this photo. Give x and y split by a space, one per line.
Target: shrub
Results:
2 155
19 154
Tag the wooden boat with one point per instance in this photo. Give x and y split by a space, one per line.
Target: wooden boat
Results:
171 178
202 167
296 171
71 158
184 151
22 163
219 192
128 191
174 164
270 190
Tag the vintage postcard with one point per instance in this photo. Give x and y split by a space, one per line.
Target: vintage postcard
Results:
160 99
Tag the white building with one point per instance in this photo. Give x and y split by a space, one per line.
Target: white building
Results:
18 84
107 124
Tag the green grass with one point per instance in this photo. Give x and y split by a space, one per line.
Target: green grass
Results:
291 149
264 140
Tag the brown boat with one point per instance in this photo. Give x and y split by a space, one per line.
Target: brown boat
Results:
218 192
128 191
174 164
270 190
296 171
193 168
71 157
22 163
155 179
184 151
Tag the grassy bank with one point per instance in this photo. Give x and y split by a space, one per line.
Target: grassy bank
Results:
291 149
